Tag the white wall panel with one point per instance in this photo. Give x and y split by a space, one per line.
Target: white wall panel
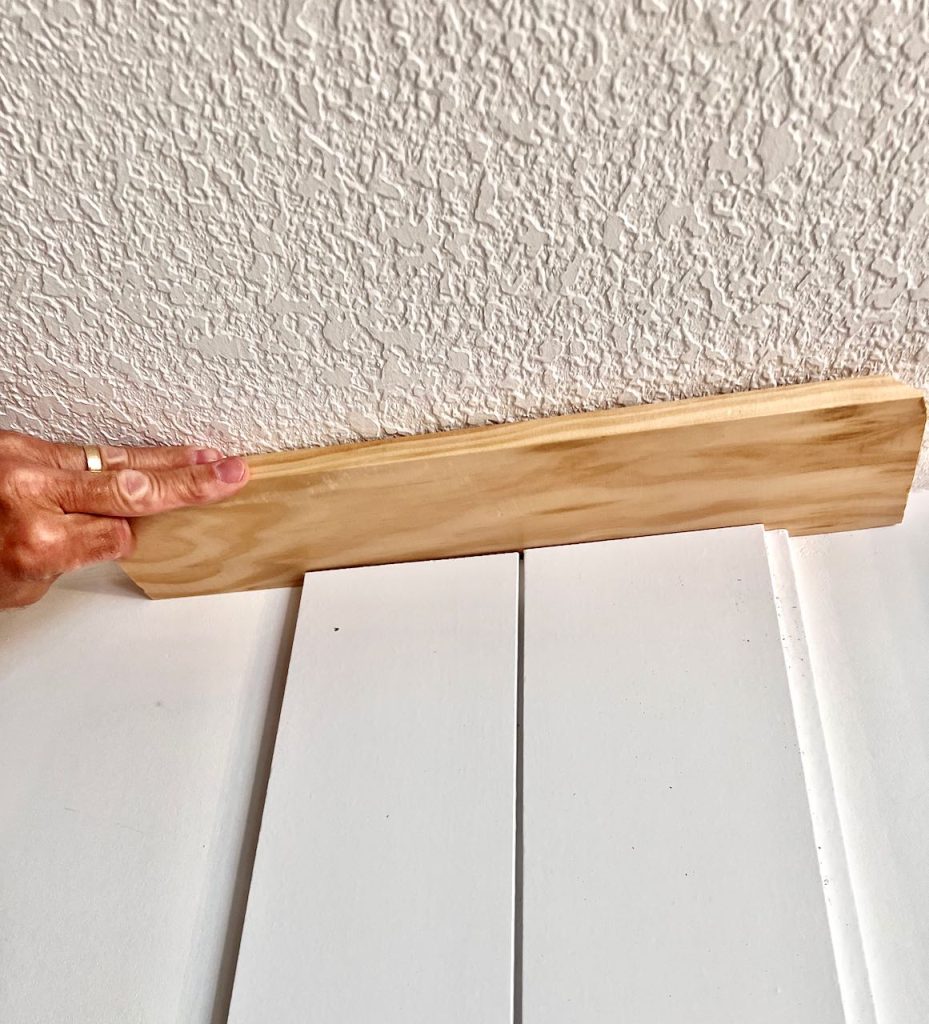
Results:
841 903
131 743
383 885
669 872
865 603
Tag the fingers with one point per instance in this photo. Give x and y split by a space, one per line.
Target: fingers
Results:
55 516
72 456
20 447
52 544
155 458
92 539
135 492
21 595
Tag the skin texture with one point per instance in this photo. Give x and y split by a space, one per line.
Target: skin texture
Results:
55 516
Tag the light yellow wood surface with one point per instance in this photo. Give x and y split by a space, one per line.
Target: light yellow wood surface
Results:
813 458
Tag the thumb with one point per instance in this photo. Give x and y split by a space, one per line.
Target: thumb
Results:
136 492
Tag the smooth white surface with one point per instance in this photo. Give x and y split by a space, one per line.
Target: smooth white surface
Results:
669 872
270 223
123 822
130 734
383 883
865 601
841 901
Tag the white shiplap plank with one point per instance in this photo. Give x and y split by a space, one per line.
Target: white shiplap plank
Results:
669 872
134 738
841 903
865 603
383 884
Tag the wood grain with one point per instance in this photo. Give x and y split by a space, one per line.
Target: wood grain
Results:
812 458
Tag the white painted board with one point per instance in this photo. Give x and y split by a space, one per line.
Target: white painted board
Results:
383 883
838 890
669 865
865 603
131 735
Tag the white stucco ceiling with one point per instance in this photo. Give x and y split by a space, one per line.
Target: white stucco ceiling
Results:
266 224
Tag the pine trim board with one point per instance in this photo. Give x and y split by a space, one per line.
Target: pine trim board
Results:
812 458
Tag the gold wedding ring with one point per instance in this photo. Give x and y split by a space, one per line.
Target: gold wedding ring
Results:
94 458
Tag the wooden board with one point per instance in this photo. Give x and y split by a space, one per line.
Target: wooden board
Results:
669 867
383 883
811 458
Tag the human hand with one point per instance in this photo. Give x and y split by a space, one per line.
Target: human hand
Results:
56 516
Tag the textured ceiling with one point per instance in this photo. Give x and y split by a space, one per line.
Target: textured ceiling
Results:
266 224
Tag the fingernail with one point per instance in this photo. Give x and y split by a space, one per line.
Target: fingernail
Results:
231 471
206 455
134 483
